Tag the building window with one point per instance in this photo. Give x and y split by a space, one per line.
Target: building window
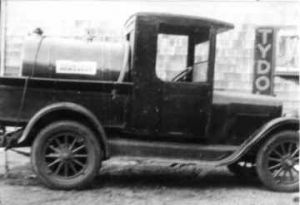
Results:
287 52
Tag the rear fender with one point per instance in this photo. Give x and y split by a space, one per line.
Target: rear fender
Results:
68 107
260 135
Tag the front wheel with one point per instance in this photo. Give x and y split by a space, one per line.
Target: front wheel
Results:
277 162
66 155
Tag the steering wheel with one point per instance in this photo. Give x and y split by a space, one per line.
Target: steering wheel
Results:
182 75
200 62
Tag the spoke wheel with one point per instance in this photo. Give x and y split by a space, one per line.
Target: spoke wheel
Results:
66 155
278 162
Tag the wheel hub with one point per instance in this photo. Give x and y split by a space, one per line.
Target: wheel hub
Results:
65 154
287 162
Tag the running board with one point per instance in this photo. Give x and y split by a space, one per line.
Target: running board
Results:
213 154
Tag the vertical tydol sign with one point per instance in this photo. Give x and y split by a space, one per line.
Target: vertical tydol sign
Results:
264 61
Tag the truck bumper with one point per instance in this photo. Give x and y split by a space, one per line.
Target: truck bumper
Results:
2 141
9 140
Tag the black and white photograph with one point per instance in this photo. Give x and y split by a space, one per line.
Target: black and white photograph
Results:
149 102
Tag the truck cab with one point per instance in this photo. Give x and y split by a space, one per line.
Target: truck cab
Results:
172 71
78 103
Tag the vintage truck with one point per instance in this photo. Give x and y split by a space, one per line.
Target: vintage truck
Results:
77 103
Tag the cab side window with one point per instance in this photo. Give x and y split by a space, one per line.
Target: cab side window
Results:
171 57
182 58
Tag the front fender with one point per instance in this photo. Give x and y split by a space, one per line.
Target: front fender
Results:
258 136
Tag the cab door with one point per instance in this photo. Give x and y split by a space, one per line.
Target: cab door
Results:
185 109
182 64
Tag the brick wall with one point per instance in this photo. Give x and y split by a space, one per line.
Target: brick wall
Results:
235 48
235 64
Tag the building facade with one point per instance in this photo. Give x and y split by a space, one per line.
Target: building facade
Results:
103 21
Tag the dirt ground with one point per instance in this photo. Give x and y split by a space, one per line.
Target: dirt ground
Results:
147 182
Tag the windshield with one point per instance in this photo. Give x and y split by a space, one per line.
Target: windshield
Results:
200 66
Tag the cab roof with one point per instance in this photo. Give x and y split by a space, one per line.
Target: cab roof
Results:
181 20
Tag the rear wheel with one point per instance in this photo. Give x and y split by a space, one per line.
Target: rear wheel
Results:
66 155
278 162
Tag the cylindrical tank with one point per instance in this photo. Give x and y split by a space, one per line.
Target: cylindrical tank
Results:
71 59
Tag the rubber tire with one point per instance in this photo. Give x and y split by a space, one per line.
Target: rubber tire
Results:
261 162
93 146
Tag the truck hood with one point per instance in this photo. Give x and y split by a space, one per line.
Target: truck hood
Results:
226 97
